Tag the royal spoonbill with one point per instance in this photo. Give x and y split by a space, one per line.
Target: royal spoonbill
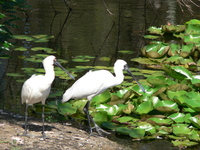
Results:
94 83
37 87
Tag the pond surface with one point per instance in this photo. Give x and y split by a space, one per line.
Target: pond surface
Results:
89 27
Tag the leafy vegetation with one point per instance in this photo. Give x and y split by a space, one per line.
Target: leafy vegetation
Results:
170 106
8 16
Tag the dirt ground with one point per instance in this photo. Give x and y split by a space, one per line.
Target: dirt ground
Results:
60 137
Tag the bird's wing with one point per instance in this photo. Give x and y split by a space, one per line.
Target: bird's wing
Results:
35 90
91 84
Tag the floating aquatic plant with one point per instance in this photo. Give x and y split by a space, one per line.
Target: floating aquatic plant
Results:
171 104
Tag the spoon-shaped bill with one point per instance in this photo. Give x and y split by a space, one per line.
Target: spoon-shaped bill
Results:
59 65
126 68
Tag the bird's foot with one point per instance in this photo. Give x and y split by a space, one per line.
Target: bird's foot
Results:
26 134
99 130
44 136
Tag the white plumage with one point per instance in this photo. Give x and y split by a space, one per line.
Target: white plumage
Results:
37 87
94 83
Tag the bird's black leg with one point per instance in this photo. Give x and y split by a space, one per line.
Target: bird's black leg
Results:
43 134
26 116
85 109
98 129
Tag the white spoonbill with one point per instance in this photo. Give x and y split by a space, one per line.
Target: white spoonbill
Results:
37 87
94 83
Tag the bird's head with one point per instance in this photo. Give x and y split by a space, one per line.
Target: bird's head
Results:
51 60
122 65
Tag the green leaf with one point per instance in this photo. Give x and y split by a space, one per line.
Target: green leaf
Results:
192 26
101 98
20 49
14 74
147 127
173 28
66 109
151 37
159 121
177 117
177 94
100 117
154 30
194 136
184 143
104 58
125 52
177 72
157 80
191 38
195 121
23 37
193 103
155 50
166 106
110 125
181 130
111 110
144 108
123 130
125 119
137 133
52 104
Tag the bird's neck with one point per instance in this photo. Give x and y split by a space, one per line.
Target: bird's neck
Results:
119 76
49 73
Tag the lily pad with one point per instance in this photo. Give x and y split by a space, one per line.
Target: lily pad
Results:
166 106
110 110
110 125
24 37
100 117
195 121
155 30
151 37
173 28
192 38
150 130
159 121
181 130
137 133
144 108
125 52
177 72
193 103
104 58
177 117
14 74
125 119
184 143
101 98
66 109
20 49
123 130
157 50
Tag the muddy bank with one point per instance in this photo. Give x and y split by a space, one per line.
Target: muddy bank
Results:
60 136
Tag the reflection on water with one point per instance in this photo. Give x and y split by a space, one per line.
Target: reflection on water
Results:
86 29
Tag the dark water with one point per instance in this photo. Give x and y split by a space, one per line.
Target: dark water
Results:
88 28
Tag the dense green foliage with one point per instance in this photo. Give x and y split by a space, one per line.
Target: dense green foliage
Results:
8 16
170 106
